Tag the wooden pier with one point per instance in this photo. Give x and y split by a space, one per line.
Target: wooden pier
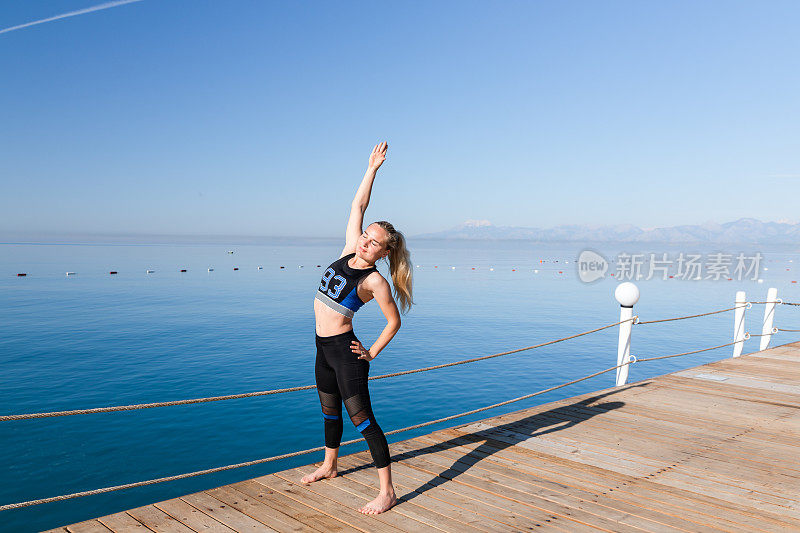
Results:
712 448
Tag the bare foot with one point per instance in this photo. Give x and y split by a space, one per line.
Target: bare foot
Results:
382 503
323 471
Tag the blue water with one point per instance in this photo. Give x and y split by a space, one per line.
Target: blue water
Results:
90 340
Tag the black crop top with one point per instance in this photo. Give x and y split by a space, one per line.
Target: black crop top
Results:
338 288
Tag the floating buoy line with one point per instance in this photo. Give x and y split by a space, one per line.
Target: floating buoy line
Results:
554 269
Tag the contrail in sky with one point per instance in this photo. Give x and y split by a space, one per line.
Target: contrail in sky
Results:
106 5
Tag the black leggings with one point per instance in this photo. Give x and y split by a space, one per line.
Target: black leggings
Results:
341 375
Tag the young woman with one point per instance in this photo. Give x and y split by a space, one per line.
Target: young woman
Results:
342 365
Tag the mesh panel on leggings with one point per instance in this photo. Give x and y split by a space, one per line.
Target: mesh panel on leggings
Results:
357 410
331 403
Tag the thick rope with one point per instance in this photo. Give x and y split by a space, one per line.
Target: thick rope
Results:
692 316
687 353
4 418
790 303
792 330
319 448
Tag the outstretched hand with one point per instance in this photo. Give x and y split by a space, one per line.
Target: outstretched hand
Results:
378 155
362 352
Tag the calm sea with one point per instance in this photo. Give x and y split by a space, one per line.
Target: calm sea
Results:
93 339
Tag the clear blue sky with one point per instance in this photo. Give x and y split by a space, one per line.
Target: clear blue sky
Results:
256 118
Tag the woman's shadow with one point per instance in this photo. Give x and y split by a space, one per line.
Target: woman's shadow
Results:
503 436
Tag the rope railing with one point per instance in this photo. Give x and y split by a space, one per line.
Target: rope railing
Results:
788 330
687 353
635 319
747 305
132 407
320 448
27 416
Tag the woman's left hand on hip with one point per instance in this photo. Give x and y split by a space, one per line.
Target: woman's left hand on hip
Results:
359 349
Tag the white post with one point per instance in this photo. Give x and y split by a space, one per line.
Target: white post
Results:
738 323
627 294
769 315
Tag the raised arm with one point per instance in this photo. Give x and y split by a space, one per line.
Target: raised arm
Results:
361 199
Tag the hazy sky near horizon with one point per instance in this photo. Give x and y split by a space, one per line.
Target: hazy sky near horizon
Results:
256 118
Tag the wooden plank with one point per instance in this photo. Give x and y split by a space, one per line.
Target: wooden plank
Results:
157 520
688 405
743 379
122 522
794 358
730 410
768 502
608 490
512 495
772 428
508 513
643 435
309 516
257 509
454 509
225 514
332 508
767 369
724 388
663 411
344 490
460 505
782 491
556 449
695 460
618 482
366 485
89 526
652 425
525 481
419 518
762 455
191 516
760 366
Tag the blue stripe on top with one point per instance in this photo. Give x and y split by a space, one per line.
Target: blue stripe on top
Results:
353 300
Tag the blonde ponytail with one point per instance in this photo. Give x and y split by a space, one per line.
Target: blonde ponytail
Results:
400 266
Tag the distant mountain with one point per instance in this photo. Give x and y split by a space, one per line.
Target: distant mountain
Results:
744 230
